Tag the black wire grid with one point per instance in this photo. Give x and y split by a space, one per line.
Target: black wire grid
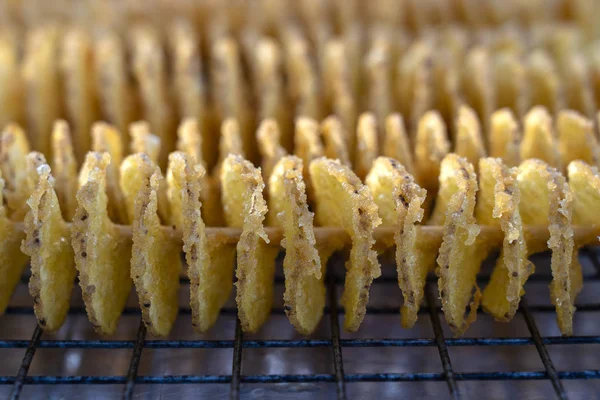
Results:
335 343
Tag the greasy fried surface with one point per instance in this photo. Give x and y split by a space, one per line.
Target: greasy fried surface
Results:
498 205
47 242
14 148
210 262
584 181
102 255
342 200
64 166
155 258
399 200
547 199
12 260
304 295
245 208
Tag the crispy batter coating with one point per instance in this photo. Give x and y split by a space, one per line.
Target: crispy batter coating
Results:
245 208
505 137
335 140
576 138
539 140
102 254
14 148
304 295
342 200
65 169
12 260
210 262
399 200
155 257
498 205
396 144
47 243
584 181
538 181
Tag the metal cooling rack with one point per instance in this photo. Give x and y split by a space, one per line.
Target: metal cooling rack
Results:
333 344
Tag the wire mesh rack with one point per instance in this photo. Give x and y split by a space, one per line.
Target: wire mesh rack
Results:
334 344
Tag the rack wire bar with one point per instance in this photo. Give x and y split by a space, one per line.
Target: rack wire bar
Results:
134 364
338 362
26 363
236 367
441 343
542 351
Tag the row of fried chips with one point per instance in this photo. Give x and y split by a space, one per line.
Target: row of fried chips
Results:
519 210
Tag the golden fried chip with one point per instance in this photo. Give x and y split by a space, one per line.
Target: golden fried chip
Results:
510 83
577 91
307 146
304 295
190 140
12 260
42 84
269 147
245 208
462 249
547 199
106 138
231 139
584 181
576 138
149 67
396 144
468 142
65 169
47 242
505 137
539 140
335 140
155 257
379 74
476 81
544 81
498 205
399 201
367 146
14 148
102 254
446 81
342 200
118 99
431 146
142 141
78 75
210 262
12 93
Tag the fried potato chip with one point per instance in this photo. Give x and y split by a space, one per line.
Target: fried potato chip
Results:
155 257
65 169
335 140
269 147
399 200
12 260
544 83
498 205
47 243
14 148
505 137
367 147
477 84
308 147
118 99
378 63
190 90
210 262
142 141
396 144
78 75
576 138
149 67
106 138
245 208
577 91
342 200
190 140
468 142
584 181
538 181
462 249
42 84
510 83
446 81
431 146
231 139
102 254
304 295
12 93
539 140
